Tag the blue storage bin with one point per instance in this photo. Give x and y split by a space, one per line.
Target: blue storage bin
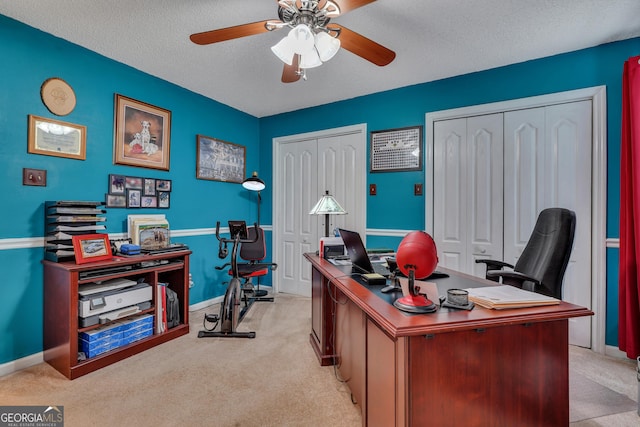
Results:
101 332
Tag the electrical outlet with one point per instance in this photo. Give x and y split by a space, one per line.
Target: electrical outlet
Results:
36 177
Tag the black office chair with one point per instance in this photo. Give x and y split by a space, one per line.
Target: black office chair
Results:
544 259
254 253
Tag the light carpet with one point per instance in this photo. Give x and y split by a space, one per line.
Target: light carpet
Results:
271 380
588 399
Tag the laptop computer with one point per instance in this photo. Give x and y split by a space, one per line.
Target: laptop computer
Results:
358 254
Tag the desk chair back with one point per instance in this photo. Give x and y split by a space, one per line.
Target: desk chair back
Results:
544 260
547 253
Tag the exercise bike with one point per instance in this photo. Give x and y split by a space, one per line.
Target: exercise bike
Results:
231 313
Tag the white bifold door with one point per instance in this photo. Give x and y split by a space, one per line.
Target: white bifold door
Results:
494 173
306 166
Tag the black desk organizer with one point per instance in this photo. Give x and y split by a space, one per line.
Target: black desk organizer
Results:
65 219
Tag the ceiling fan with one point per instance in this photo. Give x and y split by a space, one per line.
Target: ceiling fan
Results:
312 40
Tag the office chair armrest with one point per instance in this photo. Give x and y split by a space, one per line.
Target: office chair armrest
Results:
513 276
493 264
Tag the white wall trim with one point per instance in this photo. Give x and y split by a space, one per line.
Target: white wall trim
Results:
22 243
39 242
22 363
387 233
613 242
598 96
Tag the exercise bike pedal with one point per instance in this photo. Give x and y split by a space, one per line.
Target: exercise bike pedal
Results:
211 318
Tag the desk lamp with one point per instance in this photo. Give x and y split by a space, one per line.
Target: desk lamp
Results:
417 258
253 183
326 206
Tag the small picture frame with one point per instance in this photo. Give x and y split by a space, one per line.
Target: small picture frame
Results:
219 160
91 248
55 138
149 187
117 184
164 199
149 202
115 200
134 197
163 184
133 182
142 134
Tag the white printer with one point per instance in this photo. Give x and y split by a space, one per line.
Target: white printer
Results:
111 299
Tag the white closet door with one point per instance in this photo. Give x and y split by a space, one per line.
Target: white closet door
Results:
297 229
568 175
524 170
342 171
468 191
484 190
450 192
548 164
306 166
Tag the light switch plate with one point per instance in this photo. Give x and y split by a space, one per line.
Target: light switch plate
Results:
373 190
37 177
417 189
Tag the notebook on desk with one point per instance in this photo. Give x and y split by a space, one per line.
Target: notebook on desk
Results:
360 260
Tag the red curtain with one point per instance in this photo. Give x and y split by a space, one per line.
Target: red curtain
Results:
629 290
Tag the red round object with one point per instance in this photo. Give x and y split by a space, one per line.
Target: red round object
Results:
417 252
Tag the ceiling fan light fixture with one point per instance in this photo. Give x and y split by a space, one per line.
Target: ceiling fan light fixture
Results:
327 46
310 60
284 50
302 39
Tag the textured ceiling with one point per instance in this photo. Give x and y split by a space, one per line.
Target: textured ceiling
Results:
433 39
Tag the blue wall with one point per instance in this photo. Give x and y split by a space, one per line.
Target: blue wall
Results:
407 106
29 57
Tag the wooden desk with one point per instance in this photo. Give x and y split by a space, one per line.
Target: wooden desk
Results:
449 368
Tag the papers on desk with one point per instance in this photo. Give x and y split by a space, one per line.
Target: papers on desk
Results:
335 261
505 296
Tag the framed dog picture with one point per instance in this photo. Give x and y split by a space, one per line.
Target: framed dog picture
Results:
142 134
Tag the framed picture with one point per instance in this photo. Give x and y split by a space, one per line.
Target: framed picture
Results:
133 182
115 200
164 199
91 247
142 134
163 184
149 187
134 197
116 184
396 150
219 160
149 202
55 138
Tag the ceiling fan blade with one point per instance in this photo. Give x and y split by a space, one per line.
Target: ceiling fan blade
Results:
364 47
290 72
230 33
348 5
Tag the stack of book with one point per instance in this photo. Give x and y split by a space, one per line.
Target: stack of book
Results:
65 219
505 296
